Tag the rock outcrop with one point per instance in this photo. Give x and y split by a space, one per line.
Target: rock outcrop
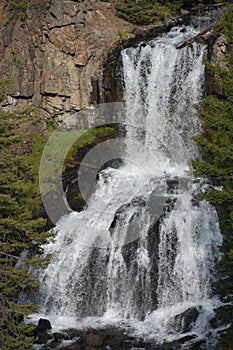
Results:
63 55
54 55
219 50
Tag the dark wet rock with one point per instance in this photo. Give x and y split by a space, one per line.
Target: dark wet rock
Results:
198 345
42 331
113 338
184 321
43 337
70 176
185 12
43 325
59 336
52 344
75 346
72 333
94 340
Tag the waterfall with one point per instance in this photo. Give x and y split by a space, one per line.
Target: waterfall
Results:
144 249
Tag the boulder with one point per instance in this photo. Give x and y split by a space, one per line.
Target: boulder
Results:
42 334
183 322
43 325
93 340
220 49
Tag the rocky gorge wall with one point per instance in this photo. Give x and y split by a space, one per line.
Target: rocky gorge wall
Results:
63 55
54 55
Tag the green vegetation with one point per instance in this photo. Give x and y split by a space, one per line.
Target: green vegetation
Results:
216 142
21 228
143 12
17 9
16 58
6 86
89 138
146 11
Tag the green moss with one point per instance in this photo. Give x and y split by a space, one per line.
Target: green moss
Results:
16 58
6 87
106 92
89 138
78 197
117 44
18 9
40 4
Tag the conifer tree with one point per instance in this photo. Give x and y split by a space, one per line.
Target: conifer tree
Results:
216 142
21 232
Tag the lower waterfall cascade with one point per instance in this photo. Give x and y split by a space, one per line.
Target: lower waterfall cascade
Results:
142 253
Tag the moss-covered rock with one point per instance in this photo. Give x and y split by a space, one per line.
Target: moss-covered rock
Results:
74 159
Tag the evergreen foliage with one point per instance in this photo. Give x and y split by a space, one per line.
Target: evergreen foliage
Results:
21 227
145 12
216 142
21 231
17 9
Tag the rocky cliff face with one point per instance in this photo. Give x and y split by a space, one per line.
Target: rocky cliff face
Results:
63 55
54 55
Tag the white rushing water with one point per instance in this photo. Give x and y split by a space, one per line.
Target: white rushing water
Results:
144 249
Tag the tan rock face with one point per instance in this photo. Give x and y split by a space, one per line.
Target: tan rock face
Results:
220 49
55 57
